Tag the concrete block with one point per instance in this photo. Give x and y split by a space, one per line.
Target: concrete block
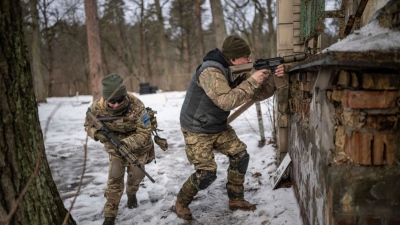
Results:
299 48
296 33
296 25
296 2
296 17
285 36
297 41
285 11
296 10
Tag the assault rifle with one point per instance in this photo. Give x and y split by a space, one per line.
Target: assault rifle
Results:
270 64
122 150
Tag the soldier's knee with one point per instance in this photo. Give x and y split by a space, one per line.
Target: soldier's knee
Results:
239 161
204 178
116 170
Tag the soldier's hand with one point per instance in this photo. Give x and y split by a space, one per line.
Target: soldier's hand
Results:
260 75
280 71
98 136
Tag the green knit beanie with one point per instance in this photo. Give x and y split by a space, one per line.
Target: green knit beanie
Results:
111 83
235 47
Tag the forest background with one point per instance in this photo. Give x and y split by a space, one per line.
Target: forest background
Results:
157 42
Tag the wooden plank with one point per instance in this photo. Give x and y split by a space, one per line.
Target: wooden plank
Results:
280 171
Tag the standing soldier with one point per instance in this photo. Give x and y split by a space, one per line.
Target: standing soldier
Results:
210 97
126 117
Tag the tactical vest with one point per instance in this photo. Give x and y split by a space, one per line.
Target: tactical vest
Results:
199 114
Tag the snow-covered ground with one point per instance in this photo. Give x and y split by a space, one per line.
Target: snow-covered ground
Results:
62 124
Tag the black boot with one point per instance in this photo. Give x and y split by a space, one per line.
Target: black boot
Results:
109 221
132 201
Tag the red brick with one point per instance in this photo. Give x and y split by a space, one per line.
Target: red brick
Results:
369 99
384 148
358 146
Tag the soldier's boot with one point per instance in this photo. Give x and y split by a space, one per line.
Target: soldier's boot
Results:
132 201
109 221
184 198
183 212
242 205
234 187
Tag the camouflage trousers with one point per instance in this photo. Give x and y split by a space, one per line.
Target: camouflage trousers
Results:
115 183
199 149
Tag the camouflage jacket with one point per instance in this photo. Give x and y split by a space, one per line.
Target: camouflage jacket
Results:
133 128
211 95
217 88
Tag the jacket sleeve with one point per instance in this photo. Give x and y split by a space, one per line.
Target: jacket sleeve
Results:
266 90
90 129
140 139
217 88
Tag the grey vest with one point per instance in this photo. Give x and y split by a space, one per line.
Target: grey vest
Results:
199 114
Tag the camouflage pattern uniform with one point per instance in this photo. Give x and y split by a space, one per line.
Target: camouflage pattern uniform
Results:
132 127
204 126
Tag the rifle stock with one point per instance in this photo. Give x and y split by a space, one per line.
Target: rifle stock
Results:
122 150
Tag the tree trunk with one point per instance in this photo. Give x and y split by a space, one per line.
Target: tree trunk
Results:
271 30
95 55
142 70
218 22
37 74
163 46
200 35
22 200
48 36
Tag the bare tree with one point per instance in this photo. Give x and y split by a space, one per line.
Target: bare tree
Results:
261 41
182 18
218 22
95 55
142 67
28 194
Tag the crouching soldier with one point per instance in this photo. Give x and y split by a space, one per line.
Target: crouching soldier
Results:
126 117
211 95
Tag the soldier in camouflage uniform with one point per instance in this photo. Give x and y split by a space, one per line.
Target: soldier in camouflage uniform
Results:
126 117
210 97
